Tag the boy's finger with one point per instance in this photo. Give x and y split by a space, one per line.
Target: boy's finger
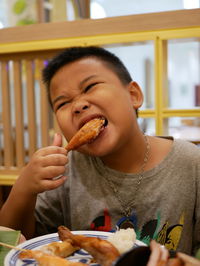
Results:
49 184
57 141
53 171
50 150
155 253
54 160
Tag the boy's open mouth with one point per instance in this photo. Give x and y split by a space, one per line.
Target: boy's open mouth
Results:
94 118
87 133
104 124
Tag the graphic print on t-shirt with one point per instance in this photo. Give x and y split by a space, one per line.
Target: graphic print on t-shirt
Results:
169 235
102 223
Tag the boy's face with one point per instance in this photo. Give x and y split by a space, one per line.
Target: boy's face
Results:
86 89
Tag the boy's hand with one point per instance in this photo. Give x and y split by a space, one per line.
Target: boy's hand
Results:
45 165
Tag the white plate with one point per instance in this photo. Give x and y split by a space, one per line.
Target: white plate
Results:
11 258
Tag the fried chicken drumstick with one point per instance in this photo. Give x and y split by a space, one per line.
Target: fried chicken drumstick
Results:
44 259
62 249
86 133
102 251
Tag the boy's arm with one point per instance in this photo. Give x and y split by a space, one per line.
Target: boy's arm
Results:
18 212
196 240
38 176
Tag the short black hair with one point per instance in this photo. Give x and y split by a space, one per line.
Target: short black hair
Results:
73 54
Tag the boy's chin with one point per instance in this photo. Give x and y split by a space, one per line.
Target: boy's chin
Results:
96 151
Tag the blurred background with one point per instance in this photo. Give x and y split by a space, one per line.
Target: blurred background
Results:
22 12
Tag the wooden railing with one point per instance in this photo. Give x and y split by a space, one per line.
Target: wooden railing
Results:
26 121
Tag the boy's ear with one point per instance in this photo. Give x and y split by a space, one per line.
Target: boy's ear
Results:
135 94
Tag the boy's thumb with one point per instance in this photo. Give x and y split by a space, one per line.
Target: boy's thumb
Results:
57 140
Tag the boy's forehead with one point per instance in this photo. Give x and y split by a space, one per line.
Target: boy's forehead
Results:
83 65
77 70
87 61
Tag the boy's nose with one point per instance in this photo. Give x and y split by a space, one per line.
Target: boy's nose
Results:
80 106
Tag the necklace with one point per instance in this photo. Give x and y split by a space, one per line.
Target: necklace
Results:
127 210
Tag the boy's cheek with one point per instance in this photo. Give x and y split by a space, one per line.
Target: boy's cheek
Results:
68 135
65 126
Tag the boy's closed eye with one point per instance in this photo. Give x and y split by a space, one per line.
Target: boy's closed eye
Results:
61 104
64 102
90 86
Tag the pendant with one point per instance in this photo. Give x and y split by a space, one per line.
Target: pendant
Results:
127 223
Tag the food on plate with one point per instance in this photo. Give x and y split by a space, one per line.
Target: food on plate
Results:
44 259
61 249
102 251
123 239
86 133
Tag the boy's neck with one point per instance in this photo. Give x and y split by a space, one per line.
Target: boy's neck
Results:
131 158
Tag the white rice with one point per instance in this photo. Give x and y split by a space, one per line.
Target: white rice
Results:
123 239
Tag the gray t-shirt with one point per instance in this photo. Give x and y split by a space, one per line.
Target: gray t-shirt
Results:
166 205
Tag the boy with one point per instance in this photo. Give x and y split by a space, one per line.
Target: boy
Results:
123 178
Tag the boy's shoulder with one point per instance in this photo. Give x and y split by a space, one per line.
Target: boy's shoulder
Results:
188 145
182 144
187 151
178 149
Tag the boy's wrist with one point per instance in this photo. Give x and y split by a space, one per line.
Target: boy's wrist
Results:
24 191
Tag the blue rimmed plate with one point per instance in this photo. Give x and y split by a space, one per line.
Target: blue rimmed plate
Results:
36 243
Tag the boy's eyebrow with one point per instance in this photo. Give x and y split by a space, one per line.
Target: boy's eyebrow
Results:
86 79
60 97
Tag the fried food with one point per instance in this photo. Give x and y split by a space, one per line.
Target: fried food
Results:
44 259
61 249
102 251
86 134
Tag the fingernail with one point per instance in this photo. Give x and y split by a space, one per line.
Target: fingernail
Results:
64 177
